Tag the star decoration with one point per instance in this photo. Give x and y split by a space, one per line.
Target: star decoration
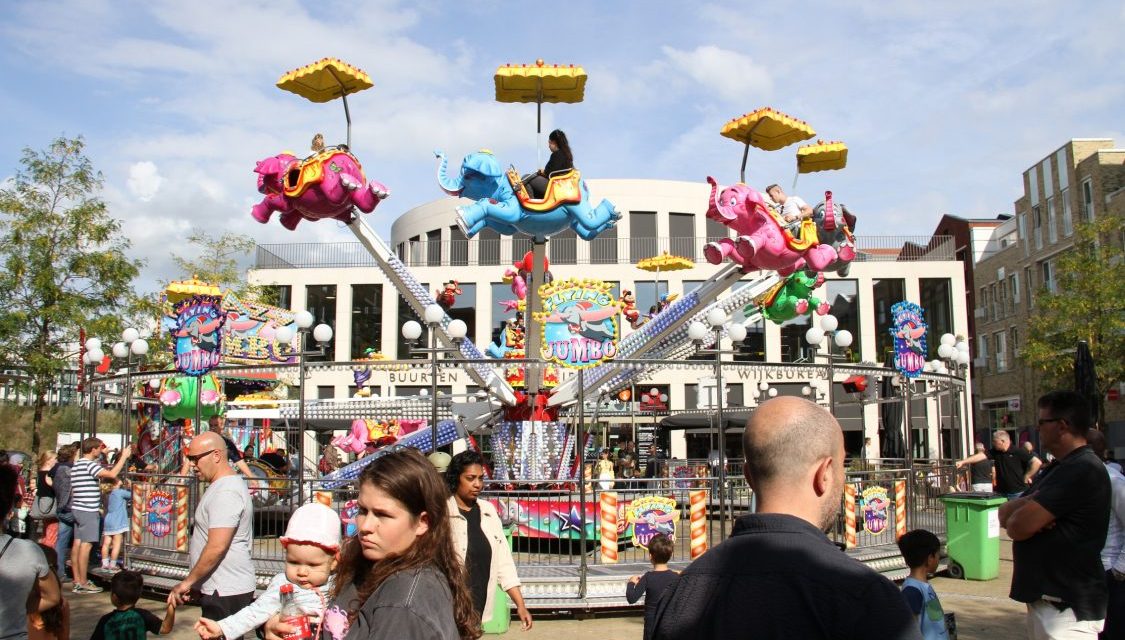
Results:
570 521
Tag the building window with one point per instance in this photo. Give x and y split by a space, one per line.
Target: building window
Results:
278 295
1052 230
1037 220
367 319
1014 288
1067 218
983 303
603 249
321 302
884 293
753 348
488 247
1001 351
733 396
1063 168
458 247
843 299
563 247
643 239
1048 183
501 294
648 294
465 309
415 245
1021 220
406 314
433 248
1028 285
1014 339
983 353
1087 200
793 345
1004 303
325 392
1048 275
1033 185
681 230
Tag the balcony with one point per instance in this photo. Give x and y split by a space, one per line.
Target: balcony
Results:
563 250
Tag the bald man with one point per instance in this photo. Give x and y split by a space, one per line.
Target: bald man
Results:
1014 466
221 568
779 576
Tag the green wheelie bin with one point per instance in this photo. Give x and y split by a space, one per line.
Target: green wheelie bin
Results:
973 530
501 611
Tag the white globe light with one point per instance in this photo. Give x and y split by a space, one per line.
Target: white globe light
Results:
303 318
139 347
433 314
814 336
963 357
322 333
654 392
843 338
93 343
696 330
962 346
664 397
95 356
806 390
716 317
154 383
945 350
423 392
120 350
942 370
948 339
457 329
737 332
130 335
284 334
762 386
829 322
411 330
772 393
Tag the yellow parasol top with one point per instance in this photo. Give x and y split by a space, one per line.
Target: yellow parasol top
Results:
767 129
822 156
665 262
180 289
325 80
540 83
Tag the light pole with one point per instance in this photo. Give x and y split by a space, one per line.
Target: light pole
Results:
842 338
955 351
132 344
322 333
717 318
411 330
94 357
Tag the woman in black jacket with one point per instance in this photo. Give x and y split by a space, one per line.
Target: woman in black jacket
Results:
561 160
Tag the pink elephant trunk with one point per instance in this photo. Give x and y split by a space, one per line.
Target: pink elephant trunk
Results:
713 209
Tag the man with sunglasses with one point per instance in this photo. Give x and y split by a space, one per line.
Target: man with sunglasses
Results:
221 568
1058 528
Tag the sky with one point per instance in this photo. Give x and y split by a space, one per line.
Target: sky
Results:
943 105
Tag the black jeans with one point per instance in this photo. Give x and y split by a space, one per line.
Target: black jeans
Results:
1115 612
217 607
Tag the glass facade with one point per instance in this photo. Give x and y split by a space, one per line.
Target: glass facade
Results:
367 319
843 300
321 302
458 247
681 231
643 239
406 314
937 301
884 294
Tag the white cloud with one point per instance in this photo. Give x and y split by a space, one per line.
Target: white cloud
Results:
144 180
728 74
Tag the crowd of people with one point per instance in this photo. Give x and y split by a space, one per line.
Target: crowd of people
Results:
428 555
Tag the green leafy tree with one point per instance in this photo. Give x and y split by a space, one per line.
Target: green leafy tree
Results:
1085 305
218 262
65 266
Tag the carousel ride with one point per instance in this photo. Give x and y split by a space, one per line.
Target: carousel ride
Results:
561 341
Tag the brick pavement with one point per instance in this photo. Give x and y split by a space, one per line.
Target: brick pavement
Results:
983 610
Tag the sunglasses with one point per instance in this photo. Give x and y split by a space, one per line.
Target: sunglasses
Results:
199 456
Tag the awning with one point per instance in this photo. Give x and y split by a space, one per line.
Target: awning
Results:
734 419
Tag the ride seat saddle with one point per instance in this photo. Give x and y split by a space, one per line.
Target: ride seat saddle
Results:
562 188
310 171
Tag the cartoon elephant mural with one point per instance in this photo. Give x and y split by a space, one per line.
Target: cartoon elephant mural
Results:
763 242
498 206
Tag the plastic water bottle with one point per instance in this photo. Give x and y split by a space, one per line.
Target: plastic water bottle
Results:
292 615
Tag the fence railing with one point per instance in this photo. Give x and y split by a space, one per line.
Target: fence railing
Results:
563 250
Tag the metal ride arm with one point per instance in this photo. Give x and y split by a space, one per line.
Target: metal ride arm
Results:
419 298
667 329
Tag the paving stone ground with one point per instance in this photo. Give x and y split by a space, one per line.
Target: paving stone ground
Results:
983 610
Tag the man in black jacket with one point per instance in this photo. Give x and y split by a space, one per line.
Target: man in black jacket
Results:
779 576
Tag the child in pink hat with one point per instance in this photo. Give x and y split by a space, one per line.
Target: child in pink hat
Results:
312 543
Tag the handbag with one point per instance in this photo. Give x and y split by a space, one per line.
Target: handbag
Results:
43 508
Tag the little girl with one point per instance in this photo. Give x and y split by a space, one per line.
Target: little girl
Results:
311 541
116 522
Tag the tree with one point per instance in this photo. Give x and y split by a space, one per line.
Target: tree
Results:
1086 304
64 265
217 263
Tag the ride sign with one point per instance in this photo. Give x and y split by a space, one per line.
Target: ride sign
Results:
908 326
197 334
579 321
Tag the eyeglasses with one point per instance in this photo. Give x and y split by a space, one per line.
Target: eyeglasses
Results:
1043 421
199 456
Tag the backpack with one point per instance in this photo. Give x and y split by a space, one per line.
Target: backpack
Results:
62 488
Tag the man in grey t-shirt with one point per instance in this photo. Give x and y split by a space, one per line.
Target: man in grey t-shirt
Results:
221 568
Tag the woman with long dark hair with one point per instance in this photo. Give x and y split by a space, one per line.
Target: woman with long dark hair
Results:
399 577
561 160
479 538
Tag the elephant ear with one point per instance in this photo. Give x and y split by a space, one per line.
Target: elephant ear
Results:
483 163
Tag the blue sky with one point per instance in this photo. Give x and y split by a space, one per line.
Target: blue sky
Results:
943 105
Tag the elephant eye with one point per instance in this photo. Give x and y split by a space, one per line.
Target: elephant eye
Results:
733 201
335 167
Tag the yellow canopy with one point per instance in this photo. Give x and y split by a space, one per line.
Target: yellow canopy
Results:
326 80
822 156
665 262
540 82
179 289
767 129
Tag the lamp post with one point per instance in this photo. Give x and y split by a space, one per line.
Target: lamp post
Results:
717 318
842 338
955 351
94 357
322 334
411 330
131 344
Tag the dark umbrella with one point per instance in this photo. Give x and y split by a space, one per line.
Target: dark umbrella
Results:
891 443
1086 378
